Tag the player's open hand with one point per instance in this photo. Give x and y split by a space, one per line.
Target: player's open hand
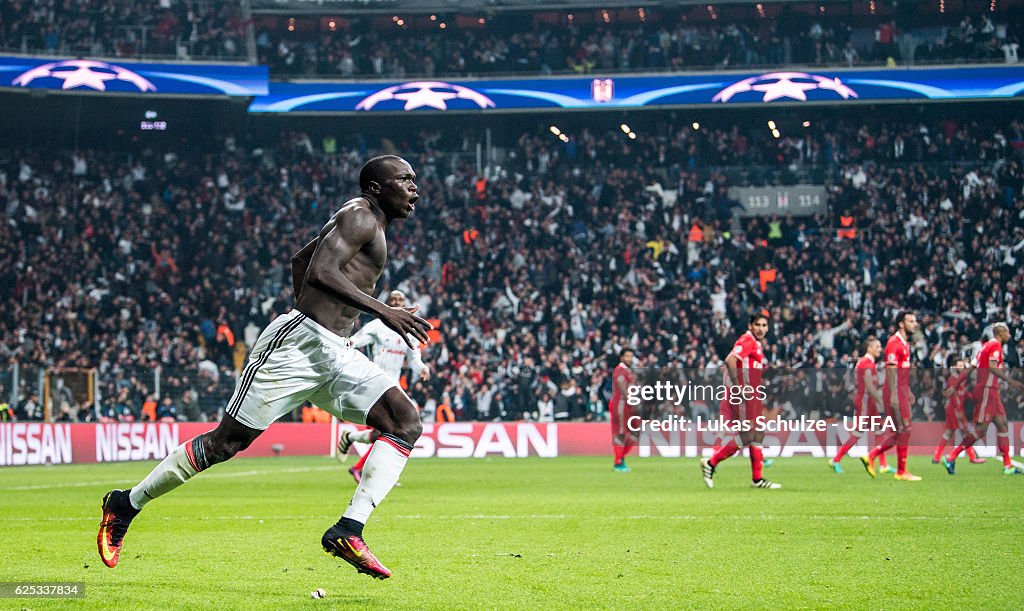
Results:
405 322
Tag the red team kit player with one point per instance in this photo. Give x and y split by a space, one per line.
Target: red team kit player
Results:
956 419
897 398
867 402
988 406
745 365
619 410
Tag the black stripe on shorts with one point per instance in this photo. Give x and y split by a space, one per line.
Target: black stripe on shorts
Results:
250 371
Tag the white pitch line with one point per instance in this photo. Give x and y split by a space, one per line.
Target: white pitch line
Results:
227 475
471 517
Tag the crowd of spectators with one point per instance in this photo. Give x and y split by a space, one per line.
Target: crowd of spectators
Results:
671 45
668 40
124 28
173 259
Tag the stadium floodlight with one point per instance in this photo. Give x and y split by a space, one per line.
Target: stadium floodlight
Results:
771 125
776 133
555 130
625 128
696 125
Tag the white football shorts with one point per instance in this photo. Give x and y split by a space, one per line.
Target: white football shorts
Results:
296 360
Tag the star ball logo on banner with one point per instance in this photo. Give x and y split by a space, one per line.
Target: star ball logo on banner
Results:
83 73
780 85
431 94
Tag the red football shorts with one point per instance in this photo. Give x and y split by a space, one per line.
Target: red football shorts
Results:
746 410
727 410
904 407
953 417
989 405
753 409
866 408
619 417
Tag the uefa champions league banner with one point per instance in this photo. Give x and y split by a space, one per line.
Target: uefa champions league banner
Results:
720 88
39 443
108 76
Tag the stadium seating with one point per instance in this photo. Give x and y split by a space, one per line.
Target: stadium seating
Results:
176 259
578 41
626 40
124 28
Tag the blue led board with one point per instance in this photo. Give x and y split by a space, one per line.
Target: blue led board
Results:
83 75
829 86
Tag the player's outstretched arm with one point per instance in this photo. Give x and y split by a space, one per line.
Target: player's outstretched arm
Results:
963 376
1001 373
353 231
404 321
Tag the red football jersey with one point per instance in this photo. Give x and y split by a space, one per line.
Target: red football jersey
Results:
751 359
867 371
621 375
897 354
956 400
991 350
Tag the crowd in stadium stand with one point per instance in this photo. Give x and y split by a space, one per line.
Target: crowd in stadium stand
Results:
176 258
546 49
203 28
123 28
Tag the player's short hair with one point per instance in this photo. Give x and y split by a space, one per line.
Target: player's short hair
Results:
870 340
902 317
1000 325
623 352
374 170
756 316
395 297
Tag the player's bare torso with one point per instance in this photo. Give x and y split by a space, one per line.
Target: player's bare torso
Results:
364 269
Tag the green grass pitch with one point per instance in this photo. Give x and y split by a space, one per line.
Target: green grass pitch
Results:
551 533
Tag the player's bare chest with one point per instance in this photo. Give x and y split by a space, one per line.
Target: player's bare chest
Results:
375 253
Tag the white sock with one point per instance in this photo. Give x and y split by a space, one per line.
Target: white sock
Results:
173 471
388 456
362 436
